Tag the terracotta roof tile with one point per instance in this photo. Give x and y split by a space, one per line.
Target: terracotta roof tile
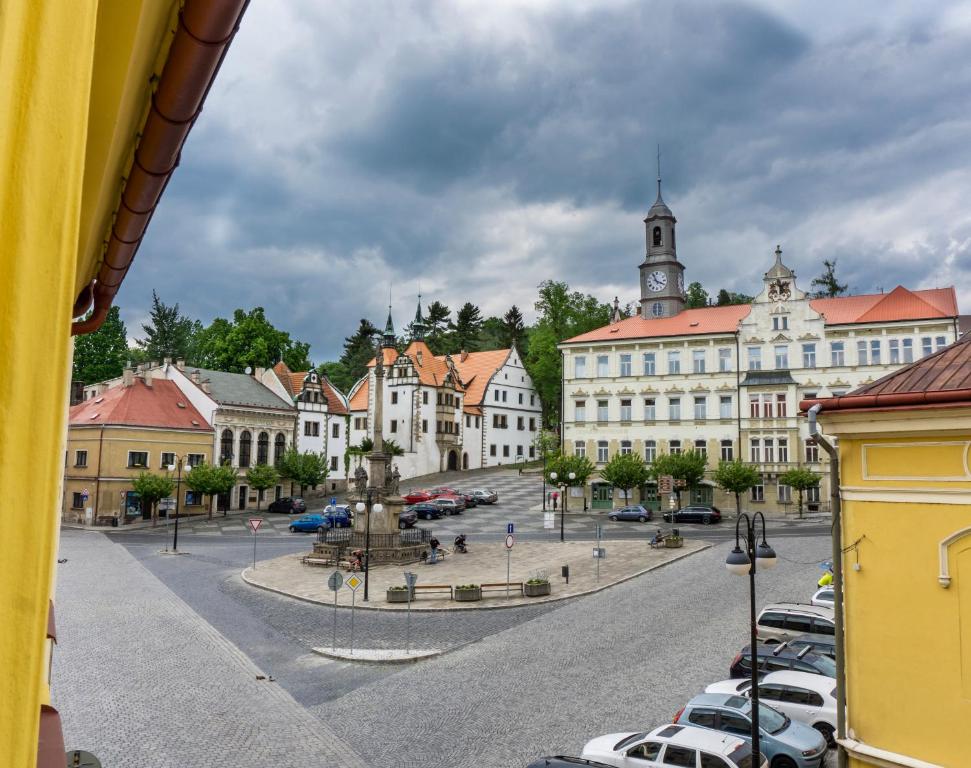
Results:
358 400
336 402
686 323
476 371
161 405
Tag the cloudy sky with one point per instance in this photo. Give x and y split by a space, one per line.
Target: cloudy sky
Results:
480 148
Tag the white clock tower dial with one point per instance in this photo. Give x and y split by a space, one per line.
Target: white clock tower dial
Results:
657 281
680 283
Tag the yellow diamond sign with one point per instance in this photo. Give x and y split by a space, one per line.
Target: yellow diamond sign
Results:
353 582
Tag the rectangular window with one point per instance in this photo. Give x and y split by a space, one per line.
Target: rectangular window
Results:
648 363
492 450
168 459
894 346
394 398
939 343
505 451
674 362
767 406
580 411
625 410
625 447
603 365
758 491
785 493
532 451
674 408
495 421
424 425
812 494
808 355
520 423
724 359
837 353
768 446
579 448
195 459
875 351
580 367
602 452
725 406
755 406
781 356
728 450
333 463
138 459
755 451
780 323
520 398
908 356
755 358
698 361
80 458
192 499
532 425
495 395
649 414
625 364
602 410
926 346
438 426
394 425
503 395
77 500
701 447
701 407
861 353
476 422
650 451
784 450
335 430
674 447
780 406
812 452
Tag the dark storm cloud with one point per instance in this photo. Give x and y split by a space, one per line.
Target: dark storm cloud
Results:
481 150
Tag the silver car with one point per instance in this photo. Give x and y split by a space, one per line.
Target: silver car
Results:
485 496
780 622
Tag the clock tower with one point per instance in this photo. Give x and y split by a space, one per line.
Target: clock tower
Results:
662 275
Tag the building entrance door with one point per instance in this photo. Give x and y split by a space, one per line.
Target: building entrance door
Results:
602 496
703 495
453 460
649 498
243 492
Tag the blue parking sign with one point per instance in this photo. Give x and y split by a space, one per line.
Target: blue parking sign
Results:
333 501
509 528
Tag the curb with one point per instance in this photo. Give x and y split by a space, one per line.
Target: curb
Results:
341 654
550 599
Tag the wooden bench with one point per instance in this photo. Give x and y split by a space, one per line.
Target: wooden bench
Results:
433 588
514 586
311 560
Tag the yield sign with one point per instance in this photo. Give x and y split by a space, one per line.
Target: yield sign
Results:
255 523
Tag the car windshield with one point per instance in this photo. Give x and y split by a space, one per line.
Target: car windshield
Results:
628 741
771 720
825 665
741 756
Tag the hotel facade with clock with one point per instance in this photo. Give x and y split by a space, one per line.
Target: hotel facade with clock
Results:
727 380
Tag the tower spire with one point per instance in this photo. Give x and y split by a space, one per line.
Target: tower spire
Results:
388 337
418 325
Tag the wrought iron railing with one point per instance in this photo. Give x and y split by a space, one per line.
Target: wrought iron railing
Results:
409 537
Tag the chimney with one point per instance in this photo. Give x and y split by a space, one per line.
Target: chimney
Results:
195 376
463 355
180 364
128 377
205 386
148 377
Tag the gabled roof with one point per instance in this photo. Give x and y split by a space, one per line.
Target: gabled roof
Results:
293 383
431 370
477 369
943 378
899 304
360 394
161 405
238 389
687 323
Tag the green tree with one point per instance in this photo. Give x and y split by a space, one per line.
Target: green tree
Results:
261 477
437 320
801 479
151 489
696 296
468 327
224 479
736 477
513 330
249 340
563 465
167 334
726 298
547 443
359 349
303 469
391 448
101 355
210 480
688 467
626 471
826 284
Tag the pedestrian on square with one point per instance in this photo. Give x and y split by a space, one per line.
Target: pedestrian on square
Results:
556 496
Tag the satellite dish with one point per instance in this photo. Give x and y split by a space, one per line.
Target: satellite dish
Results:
248 370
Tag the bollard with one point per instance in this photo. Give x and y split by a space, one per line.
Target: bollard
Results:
565 573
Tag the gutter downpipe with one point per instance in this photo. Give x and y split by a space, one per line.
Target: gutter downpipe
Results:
834 481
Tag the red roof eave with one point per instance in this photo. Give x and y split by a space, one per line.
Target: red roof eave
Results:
891 400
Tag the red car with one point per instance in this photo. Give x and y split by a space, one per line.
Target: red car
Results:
416 497
445 492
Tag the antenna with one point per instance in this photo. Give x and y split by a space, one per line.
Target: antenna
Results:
659 171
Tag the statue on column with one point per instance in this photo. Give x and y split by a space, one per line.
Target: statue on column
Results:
360 481
395 482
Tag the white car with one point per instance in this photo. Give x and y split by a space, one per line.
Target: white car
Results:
824 596
672 745
801 696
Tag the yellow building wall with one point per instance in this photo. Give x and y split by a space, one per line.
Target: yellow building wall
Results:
908 639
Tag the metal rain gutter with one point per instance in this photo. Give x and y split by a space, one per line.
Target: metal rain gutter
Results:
205 30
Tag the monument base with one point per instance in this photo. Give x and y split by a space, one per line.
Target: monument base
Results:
386 542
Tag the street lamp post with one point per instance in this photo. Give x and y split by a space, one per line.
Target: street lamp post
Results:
178 488
369 507
741 562
572 476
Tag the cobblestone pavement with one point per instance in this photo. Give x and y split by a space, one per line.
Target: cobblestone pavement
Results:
141 680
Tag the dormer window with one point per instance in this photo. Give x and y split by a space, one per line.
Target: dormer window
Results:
657 239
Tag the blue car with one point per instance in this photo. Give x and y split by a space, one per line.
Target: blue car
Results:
632 512
785 743
320 522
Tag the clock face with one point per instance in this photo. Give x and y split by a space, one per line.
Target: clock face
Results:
656 281
681 283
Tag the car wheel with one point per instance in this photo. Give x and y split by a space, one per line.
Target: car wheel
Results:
614 518
642 519
827 733
706 520
428 515
292 529
783 761
402 525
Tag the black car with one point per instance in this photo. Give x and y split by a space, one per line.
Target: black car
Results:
776 658
426 510
562 761
696 513
407 518
825 645
288 505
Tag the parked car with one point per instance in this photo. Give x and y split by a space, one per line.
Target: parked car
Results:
485 496
441 491
407 517
633 512
825 596
671 745
450 505
311 522
426 510
415 497
346 509
562 761
785 742
802 696
779 622
821 644
338 517
696 513
775 658
287 505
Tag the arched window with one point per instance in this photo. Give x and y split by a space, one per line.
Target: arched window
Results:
263 448
226 446
279 447
657 309
245 448
657 237
672 238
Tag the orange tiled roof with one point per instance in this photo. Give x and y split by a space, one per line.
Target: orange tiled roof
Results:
336 403
476 371
899 304
293 384
161 405
431 369
358 400
689 322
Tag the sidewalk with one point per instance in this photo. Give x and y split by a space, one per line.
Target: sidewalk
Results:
485 563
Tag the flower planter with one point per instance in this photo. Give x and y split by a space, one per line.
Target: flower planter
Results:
468 595
398 596
536 590
673 543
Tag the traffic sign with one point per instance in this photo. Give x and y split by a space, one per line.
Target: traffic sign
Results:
411 579
84 494
548 520
665 484
599 553
334 581
510 540
510 528
255 523
333 501
353 582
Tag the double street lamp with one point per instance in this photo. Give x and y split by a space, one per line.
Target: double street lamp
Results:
361 507
178 487
572 476
740 562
